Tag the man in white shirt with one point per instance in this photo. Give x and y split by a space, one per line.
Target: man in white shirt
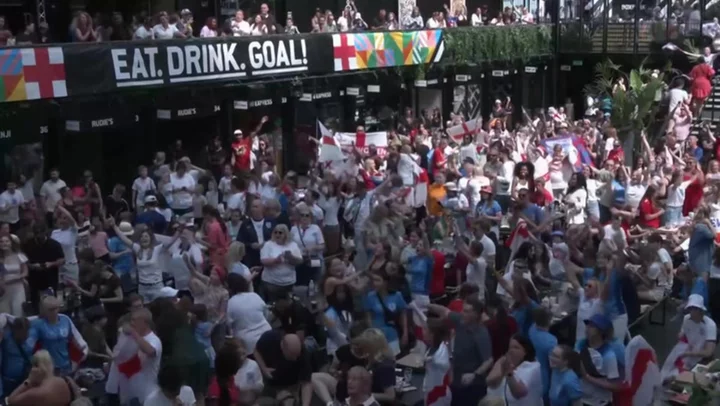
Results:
11 200
50 195
145 382
164 30
677 95
144 31
239 26
236 200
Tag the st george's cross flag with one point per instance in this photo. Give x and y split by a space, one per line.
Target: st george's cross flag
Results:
517 237
329 146
459 132
674 363
363 141
642 379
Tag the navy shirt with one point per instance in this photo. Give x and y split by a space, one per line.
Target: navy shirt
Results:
154 220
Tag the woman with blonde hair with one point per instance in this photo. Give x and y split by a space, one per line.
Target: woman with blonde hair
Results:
42 387
380 363
309 237
279 257
234 257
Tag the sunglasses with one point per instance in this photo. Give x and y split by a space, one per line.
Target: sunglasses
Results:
278 233
522 196
305 215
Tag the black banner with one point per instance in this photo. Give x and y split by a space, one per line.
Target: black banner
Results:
22 130
112 66
96 118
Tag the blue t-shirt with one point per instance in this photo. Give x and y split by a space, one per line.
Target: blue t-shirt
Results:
394 302
124 263
419 272
523 317
492 209
15 366
564 388
618 190
615 305
698 154
544 342
202 333
54 338
534 213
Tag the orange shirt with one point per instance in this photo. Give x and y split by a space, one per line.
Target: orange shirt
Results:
436 193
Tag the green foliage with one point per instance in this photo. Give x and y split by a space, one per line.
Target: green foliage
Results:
575 37
477 45
632 107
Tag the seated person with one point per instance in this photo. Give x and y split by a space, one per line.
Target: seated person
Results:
290 317
286 366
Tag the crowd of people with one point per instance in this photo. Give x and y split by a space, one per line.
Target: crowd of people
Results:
510 260
164 25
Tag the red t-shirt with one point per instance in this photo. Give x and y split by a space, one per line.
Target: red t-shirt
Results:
439 160
647 208
499 336
456 306
437 280
693 195
241 150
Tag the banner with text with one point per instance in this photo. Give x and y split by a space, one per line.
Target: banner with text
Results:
42 72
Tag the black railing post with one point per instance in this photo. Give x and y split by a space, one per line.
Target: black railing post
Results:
606 8
636 27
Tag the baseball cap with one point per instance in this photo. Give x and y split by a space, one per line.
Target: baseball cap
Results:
600 321
150 199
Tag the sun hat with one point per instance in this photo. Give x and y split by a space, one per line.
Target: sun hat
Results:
126 228
695 300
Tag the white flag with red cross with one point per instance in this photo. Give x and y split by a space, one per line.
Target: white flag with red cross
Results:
363 141
329 146
459 132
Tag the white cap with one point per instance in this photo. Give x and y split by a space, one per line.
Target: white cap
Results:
451 186
150 199
167 292
696 301
237 132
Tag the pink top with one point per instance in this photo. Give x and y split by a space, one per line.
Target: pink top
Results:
218 242
98 243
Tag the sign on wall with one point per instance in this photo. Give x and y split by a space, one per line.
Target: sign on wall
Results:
82 69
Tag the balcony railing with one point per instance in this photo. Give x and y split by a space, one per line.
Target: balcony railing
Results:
629 27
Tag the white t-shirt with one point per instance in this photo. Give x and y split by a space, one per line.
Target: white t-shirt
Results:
509 277
675 97
240 28
249 377
504 179
697 335
175 263
182 199
475 273
142 186
224 187
158 398
143 33
144 383
318 214
149 266
530 375
607 366
160 32
282 274
586 309
10 206
331 206
68 241
488 248
307 237
611 233
592 189
656 270
246 318
634 194
236 201
676 195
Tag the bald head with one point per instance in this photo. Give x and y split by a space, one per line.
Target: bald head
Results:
291 347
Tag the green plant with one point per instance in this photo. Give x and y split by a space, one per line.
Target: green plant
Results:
476 45
575 37
632 107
